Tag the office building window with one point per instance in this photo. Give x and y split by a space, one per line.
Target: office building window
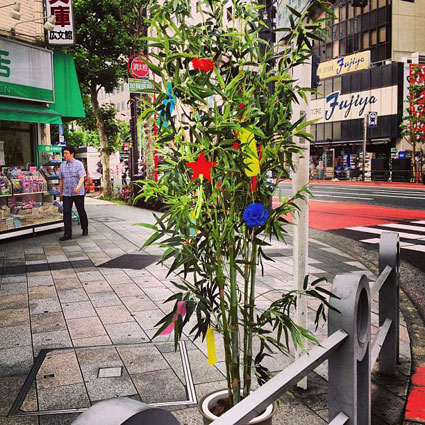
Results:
373 37
343 13
365 40
118 107
373 4
383 34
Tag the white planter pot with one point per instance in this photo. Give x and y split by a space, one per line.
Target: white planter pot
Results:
208 401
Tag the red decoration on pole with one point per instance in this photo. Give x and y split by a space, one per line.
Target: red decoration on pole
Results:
205 65
201 167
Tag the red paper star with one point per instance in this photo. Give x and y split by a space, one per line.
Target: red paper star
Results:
201 167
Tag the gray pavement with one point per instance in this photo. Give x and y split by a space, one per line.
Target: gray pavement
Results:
89 328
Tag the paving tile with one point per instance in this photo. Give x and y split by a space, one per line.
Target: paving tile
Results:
78 310
126 289
147 282
126 333
15 278
58 369
65 419
64 274
72 295
45 305
97 286
89 276
148 319
43 280
47 322
63 397
91 341
138 303
144 358
104 299
17 301
16 361
85 328
13 289
97 355
105 388
15 336
114 314
171 387
14 317
45 291
158 294
117 278
55 339
67 284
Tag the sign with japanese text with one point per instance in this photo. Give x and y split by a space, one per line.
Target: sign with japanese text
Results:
137 67
139 85
63 34
344 65
26 72
49 148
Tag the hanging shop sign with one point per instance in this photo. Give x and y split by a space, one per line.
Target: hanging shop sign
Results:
338 107
137 67
26 72
49 149
136 85
63 33
344 65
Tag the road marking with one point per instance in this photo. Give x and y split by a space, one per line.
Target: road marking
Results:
380 231
405 227
400 196
316 195
419 222
405 245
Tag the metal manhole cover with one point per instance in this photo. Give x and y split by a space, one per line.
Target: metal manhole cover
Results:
131 261
106 219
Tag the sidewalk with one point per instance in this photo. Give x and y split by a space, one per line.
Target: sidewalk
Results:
90 325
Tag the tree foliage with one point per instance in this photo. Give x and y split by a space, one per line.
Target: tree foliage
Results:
221 88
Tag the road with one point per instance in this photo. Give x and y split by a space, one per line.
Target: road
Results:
362 213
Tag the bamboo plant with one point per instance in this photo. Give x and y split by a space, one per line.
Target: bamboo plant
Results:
222 107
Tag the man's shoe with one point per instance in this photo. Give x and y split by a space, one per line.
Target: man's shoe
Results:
65 238
85 232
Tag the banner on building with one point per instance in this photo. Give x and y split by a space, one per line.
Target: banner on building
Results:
338 107
344 65
63 33
26 72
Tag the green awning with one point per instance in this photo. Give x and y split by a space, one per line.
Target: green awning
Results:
14 110
68 100
68 103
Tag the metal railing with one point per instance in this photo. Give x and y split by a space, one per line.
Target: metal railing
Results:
348 348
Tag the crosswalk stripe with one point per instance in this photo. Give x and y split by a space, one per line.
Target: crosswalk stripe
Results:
380 231
405 227
400 196
317 195
404 245
419 222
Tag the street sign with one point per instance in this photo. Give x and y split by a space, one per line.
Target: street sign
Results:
372 119
139 86
137 67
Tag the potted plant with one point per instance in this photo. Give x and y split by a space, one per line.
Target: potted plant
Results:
222 107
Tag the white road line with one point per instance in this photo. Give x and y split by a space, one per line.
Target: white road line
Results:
317 195
402 196
377 240
419 222
405 227
420 248
380 231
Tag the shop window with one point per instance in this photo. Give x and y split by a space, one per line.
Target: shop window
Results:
346 130
365 80
336 129
320 129
18 147
337 84
346 84
313 131
373 37
355 83
383 34
365 38
376 76
328 131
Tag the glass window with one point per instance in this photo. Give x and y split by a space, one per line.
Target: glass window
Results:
335 52
350 11
373 37
334 32
327 86
342 13
18 150
342 50
382 3
365 40
320 131
328 130
382 34
337 84
336 11
357 11
328 51
337 130
373 4
342 29
350 45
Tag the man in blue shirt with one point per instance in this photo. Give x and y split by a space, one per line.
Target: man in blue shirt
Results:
71 188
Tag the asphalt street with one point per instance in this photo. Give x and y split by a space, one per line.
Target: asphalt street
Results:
379 196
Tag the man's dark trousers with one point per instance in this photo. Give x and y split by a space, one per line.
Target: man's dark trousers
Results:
67 213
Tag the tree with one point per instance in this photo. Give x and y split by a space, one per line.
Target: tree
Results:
107 31
413 121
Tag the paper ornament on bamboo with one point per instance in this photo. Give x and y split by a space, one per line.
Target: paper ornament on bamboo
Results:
201 167
181 311
252 162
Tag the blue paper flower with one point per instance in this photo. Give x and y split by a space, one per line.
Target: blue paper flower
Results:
255 215
169 102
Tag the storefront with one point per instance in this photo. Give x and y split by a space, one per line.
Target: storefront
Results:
340 109
37 87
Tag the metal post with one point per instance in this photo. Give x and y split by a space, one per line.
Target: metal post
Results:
364 146
389 301
349 367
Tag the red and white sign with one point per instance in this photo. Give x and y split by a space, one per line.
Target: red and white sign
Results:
137 67
63 32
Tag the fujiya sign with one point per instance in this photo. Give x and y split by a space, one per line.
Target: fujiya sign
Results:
63 33
337 107
26 72
344 65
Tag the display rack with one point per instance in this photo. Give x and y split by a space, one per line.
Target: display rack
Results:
26 206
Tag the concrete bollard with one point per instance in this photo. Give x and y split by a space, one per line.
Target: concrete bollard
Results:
125 411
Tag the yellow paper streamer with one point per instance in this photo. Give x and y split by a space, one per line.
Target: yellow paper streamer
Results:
212 356
252 162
